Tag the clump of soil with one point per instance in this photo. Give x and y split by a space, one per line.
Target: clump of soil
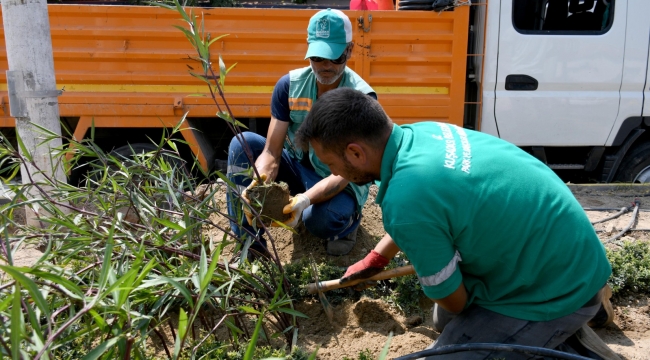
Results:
269 199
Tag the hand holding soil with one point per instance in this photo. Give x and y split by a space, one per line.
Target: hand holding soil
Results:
268 199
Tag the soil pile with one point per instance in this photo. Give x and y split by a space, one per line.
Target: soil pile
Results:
269 199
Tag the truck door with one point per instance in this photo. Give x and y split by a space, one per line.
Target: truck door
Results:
559 72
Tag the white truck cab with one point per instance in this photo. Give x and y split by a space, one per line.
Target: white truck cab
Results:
568 80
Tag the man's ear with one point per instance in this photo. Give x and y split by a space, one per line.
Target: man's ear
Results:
355 154
349 50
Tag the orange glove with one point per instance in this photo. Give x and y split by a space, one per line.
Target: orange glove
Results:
247 212
295 207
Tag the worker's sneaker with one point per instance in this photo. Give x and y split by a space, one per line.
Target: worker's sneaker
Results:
605 314
343 245
595 347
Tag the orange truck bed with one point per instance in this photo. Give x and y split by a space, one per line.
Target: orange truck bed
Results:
127 66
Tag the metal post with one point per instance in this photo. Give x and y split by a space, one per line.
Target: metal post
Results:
32 87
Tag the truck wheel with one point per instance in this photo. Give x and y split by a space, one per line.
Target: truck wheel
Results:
127 151
635 167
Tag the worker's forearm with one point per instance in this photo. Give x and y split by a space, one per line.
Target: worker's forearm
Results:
268 161
387 247
326 189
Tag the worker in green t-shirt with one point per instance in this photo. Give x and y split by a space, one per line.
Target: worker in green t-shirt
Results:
495 237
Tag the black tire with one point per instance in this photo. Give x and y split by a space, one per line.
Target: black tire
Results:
128 151
636 162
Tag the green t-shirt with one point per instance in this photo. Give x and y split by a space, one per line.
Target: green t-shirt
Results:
468 207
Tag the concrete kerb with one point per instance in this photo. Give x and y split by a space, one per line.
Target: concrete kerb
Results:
623 190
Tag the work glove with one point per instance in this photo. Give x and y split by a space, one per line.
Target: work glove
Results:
249 215
369 266
295 207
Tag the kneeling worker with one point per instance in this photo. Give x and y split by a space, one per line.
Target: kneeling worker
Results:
496 238
329 207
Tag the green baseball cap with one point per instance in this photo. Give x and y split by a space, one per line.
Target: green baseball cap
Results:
328 34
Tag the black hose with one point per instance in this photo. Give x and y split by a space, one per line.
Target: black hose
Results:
608 209
531 350
637 203
621 211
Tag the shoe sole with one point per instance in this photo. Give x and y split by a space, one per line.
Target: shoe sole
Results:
607 304
601 320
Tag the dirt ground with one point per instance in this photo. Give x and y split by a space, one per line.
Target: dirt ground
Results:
366 324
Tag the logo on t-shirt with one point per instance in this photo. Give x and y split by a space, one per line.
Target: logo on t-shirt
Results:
323 28
452 148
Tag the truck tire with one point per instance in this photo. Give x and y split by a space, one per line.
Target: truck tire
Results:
127 151
635 167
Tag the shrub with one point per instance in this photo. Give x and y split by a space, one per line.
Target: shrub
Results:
630 267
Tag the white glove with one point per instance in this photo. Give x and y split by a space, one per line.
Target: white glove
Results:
295 207
249 216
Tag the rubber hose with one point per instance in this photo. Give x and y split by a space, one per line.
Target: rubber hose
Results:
531 350
637 203
609 209
621 211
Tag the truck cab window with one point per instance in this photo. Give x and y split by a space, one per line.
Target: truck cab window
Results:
575 17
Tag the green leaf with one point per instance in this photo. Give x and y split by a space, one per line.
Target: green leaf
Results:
180 287
313 355
182 329
16 323
226 180
214 261
226 116
181 11
231 67
23 149
162 5
188 35
101 349
249 310
216 39
169 224
203 269
106 264
282 225
384 351
98 319
222 71
250 350
292 312
202 78
27 283
118 292
145 271
182 323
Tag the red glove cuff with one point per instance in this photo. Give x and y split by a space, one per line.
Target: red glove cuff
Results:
375 259
372 260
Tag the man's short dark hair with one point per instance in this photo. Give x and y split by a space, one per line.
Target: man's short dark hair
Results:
342 116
